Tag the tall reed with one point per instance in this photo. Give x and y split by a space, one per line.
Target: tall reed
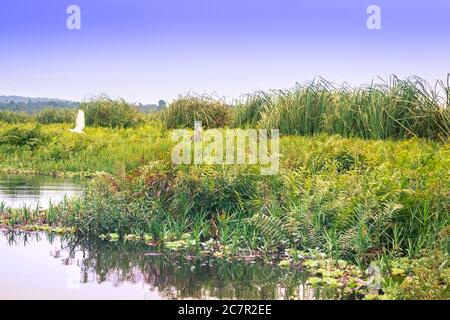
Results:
182 112
395 110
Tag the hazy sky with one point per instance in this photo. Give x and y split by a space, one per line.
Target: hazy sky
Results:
146 50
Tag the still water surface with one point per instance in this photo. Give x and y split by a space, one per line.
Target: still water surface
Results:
18 190
44 266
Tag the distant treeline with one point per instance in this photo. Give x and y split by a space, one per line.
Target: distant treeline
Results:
35 105
99 112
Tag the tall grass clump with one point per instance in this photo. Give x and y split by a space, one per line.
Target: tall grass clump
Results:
7 116
31 136
250 109
107 112
395 110
53 115
182 112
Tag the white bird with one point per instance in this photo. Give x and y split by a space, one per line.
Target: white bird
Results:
79 123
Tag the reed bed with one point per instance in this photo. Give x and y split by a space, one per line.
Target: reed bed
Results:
363 177
352 198
181 113
395 110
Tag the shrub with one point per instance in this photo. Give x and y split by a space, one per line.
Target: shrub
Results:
185 110
24 136
106 112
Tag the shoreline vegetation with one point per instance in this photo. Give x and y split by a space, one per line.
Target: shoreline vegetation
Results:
361 201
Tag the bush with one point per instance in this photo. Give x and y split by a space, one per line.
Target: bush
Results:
183 112
106 112
52 115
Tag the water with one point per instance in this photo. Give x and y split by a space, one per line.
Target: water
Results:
43 266
46 266
17 190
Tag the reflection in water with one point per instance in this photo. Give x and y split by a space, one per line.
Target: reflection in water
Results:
100 270
18 191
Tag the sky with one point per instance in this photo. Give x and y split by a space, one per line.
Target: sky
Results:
147 50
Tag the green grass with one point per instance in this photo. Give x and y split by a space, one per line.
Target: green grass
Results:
182 112
364 177
99 112
399 109
7 116
111 113
352 198
52 149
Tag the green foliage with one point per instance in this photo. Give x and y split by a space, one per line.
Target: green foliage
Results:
424 278
14 117
182 112
218 192
351 198
250 110
52 115
106 112
56 150
400 109
45 116
354 199
275 229
30 136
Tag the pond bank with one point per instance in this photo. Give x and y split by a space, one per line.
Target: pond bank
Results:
69 268
371 203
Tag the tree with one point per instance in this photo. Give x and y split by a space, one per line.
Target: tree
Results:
162 104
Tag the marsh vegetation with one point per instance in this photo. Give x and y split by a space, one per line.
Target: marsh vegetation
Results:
363 184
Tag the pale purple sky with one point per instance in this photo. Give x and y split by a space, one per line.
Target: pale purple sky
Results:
146 50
